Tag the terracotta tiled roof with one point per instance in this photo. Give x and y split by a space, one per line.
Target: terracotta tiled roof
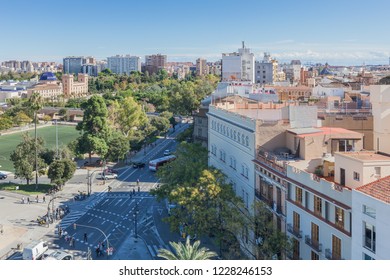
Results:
379 189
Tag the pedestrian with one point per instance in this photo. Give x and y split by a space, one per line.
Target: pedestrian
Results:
37 199
138 182
134 191
97 251
138 189
59 232
44 199
22 200
28 200
85 237
73 241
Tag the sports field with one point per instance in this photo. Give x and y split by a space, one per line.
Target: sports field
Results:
9 142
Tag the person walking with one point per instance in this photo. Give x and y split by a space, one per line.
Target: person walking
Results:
28 200
37 199
44 199
85 237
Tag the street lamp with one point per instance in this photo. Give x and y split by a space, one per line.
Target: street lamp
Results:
135 214
89 182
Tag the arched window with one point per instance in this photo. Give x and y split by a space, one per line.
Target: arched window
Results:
247 141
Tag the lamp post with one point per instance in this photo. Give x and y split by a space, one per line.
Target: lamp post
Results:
89 182
135 216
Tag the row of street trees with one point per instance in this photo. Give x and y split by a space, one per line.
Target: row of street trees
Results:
208 206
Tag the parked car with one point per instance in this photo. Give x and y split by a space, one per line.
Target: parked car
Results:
109 176
3 176
138 164
57 255
167 152
110 171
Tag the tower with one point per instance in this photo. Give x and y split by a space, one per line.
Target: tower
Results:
67 81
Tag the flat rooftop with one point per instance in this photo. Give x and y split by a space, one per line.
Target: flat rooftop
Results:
336 131
378 189
365 156
260 114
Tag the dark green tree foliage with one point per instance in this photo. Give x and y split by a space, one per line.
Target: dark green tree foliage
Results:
273 243
61 171
161 124
5 122
23 158
118 147
94 127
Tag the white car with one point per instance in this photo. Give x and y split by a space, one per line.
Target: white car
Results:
109 176
167 152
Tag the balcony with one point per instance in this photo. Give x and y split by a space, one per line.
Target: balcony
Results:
294 231
332 256
272 160
313 244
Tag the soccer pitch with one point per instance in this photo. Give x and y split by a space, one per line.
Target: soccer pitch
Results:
9 142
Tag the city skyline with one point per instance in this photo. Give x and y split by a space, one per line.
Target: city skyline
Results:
340 33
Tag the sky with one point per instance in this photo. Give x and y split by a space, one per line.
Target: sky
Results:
340 32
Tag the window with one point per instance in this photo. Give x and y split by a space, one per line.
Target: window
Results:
244 170
339 217
346 145
199 132
314 256
298 195
214 150
296 252
369 237
315 234
296 222
356 176
336 248
369 211
233 163
317 205
377 172
222 155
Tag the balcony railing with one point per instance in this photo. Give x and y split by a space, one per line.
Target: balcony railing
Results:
331 256
294 231
313 244
271 160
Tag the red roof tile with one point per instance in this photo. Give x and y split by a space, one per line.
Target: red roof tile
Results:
379 189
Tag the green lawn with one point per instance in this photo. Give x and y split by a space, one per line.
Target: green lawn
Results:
9 142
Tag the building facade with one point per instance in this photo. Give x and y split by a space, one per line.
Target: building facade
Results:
238 66
201 67
155 63
266 70
73 64
120 64
73 88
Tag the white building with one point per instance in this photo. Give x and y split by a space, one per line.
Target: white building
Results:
380 100
325 90
238 66
266 70
120 64
371 223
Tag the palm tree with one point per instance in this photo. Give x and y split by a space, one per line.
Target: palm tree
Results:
186 251
35 104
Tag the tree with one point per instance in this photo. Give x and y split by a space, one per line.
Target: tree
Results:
130 116
24 160
118 147
35 104
161 124
94 126
5 122
272 242
61 171
21 119
207 203
187 251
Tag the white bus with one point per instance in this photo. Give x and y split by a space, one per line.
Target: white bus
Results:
156 163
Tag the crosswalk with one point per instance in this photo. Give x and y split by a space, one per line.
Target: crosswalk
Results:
69 219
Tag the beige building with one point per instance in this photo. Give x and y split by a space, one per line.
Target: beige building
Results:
73 88
380 100
202 68
48 86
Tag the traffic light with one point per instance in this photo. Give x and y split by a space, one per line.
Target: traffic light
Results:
74 226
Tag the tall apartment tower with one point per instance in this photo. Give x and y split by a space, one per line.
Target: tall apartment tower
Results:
120 64
155 62
73 64
201 67
238 66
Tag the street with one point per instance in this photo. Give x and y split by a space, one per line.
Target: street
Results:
128 213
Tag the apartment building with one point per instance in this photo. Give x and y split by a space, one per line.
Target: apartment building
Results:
371 224
380 100
238 66
266 70
202 68
155 63
124 64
